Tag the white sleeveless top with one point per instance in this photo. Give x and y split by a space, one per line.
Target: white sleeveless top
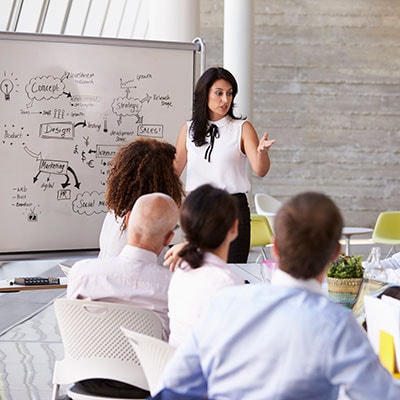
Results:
227 168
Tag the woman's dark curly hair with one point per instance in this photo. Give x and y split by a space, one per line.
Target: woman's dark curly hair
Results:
200 114
207 214
141 167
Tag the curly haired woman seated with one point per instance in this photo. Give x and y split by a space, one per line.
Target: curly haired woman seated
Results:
143 166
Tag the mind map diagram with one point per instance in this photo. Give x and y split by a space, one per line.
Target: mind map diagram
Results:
64 132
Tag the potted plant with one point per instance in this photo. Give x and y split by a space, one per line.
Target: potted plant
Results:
344 278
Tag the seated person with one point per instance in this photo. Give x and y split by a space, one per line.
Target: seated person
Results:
134 275
210 223
143 166
284 340
392 262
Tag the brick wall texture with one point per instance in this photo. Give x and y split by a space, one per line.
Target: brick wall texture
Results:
327 87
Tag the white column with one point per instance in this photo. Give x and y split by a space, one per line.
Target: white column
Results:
174 20
238 50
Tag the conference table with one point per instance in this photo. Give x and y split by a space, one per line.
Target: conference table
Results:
10 286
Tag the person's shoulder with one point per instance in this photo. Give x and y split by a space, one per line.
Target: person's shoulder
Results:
247 125
242 294
162 271
329 313
86 266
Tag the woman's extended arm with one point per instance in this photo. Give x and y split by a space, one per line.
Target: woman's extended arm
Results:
256 150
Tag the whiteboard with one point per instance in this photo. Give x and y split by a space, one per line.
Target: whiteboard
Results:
66 106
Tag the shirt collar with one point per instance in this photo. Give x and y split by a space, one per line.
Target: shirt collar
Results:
282 278
221 122
209 259
138 253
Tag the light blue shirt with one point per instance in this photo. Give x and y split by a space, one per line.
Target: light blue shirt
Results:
284 341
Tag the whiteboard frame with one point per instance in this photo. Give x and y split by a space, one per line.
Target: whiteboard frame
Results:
197 47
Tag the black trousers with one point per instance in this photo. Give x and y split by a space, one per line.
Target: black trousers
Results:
240 247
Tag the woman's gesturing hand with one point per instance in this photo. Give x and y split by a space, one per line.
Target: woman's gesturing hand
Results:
265 143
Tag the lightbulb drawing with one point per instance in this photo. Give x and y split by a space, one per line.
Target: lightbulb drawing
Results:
6 86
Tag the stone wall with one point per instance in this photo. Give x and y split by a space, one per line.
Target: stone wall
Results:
327 87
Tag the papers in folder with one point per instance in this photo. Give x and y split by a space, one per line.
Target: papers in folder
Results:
383 324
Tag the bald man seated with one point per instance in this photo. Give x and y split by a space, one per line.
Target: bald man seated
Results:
134 276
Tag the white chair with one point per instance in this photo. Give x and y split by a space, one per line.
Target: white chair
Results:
268 206
95 346
153 354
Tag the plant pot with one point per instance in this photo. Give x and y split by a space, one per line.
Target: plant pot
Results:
343 291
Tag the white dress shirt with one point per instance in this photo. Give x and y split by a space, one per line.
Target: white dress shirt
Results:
227 168
190 291
133 277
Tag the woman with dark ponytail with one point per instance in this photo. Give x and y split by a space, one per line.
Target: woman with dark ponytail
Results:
209 220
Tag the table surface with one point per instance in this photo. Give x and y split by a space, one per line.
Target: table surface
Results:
250 272
355 230
10 286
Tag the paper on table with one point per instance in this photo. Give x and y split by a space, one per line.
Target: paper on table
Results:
383 315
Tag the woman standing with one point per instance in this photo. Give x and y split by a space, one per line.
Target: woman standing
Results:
215 144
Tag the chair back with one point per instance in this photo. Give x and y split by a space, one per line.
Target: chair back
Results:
387 228
95 346
267 205
260 231
153 354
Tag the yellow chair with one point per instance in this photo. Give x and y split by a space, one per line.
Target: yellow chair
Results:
387 230
260 234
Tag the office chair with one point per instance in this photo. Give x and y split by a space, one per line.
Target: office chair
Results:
268 206
260 234
95 346
387 230
153 354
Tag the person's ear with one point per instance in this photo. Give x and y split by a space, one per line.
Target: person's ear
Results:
274 250
168 238
234 231
337 252
127 216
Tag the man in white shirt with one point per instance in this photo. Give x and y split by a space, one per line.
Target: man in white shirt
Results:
134 276
285 340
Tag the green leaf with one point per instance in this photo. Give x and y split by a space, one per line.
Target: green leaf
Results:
346 267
